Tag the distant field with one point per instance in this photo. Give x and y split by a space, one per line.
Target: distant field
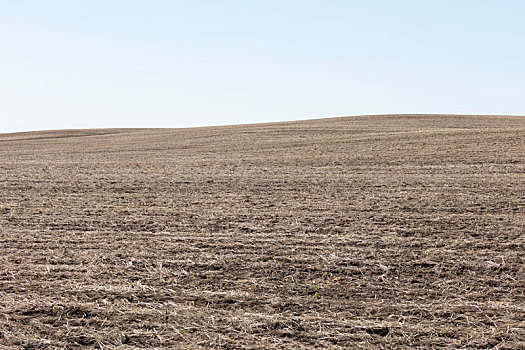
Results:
346 233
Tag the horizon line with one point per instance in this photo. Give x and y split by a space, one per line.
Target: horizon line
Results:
274 122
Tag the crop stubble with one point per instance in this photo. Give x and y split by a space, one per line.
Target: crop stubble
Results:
361 232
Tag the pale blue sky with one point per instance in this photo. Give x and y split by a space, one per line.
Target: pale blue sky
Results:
96 64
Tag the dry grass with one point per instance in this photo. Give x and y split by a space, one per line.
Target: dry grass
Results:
365 232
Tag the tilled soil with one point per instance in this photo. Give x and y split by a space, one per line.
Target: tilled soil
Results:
392 232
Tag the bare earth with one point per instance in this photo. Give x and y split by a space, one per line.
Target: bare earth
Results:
391 232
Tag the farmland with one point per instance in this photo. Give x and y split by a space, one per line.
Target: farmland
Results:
395 231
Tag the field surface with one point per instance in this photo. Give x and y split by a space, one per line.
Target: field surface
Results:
375 232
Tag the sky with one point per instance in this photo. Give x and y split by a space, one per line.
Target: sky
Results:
158 63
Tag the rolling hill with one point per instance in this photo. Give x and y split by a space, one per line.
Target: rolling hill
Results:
394 231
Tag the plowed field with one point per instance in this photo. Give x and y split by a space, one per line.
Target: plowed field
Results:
372 232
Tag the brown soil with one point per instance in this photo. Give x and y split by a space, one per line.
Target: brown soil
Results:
362 232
